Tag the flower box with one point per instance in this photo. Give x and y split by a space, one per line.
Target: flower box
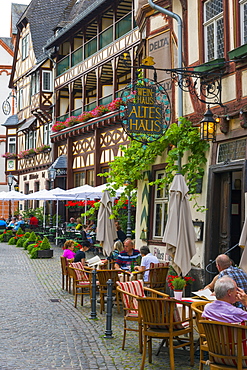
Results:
45 253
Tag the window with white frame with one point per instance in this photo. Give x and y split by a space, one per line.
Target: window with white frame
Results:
160 207
46 133
12 145
20 99
243 21
46 81
213 29
30 140
25 47
35 83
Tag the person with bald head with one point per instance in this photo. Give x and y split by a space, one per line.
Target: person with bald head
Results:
223 309
225 268
128 256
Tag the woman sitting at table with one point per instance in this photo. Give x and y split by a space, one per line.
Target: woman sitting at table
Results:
78 224
69 250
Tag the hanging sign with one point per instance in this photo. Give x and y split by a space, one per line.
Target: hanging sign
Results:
145 111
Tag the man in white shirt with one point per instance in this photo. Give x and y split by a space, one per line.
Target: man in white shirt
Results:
147 258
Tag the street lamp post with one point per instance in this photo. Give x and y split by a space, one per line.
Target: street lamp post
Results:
10 178
128 231
51 177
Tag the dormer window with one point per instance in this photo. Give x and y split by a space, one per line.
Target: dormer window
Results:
25 47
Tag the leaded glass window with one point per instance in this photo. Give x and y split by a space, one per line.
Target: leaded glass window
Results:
231 151
243 21
214 29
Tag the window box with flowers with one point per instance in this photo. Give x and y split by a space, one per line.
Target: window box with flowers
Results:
43 149
86 116
9 155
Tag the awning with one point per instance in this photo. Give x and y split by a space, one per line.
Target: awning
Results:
60 165
27 125
11 121
60 162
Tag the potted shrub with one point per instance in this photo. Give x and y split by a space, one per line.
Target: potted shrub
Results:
30 240
44 250
178 283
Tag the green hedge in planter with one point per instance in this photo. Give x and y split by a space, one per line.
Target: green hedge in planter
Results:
30 247
31 240
6 235
45 244
13 240
33 253
21 241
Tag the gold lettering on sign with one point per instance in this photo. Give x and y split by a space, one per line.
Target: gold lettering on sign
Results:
144 116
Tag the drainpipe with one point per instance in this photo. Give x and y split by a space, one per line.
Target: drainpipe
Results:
180 56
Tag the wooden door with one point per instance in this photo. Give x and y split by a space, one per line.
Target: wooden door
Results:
224 242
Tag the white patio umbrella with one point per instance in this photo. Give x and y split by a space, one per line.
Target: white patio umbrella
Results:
179 234
12 195
242 243
97 191
42 195
106 230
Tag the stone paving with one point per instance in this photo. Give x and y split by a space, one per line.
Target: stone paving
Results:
37 334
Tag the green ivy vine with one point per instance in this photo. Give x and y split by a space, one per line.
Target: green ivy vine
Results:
177 141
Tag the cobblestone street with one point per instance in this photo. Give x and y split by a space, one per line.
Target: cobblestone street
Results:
37 333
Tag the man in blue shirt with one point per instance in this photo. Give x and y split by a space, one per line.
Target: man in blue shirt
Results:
128 256
18 223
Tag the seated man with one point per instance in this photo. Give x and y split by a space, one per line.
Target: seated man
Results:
33 221
222 309
127 257
72 224
80 255
18 223
224 266
147 258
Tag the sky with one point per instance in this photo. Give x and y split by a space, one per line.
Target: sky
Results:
5 15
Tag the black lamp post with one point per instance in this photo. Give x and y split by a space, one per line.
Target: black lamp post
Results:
128 231
51 176
10 178
208 126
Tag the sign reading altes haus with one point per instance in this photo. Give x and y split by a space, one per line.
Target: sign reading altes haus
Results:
144 115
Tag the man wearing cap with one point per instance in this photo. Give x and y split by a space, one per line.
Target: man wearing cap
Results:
127 257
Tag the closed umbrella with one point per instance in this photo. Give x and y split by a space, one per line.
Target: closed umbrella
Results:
179 234
106 230
242 243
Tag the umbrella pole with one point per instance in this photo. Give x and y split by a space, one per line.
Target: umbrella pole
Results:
85 217
44 210
57 225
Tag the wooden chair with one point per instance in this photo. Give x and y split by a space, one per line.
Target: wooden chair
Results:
81 281
198 308
65 275
157 276
161 319
226 345
103 276
130 291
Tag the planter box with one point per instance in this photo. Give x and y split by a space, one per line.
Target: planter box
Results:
239 52
47 253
